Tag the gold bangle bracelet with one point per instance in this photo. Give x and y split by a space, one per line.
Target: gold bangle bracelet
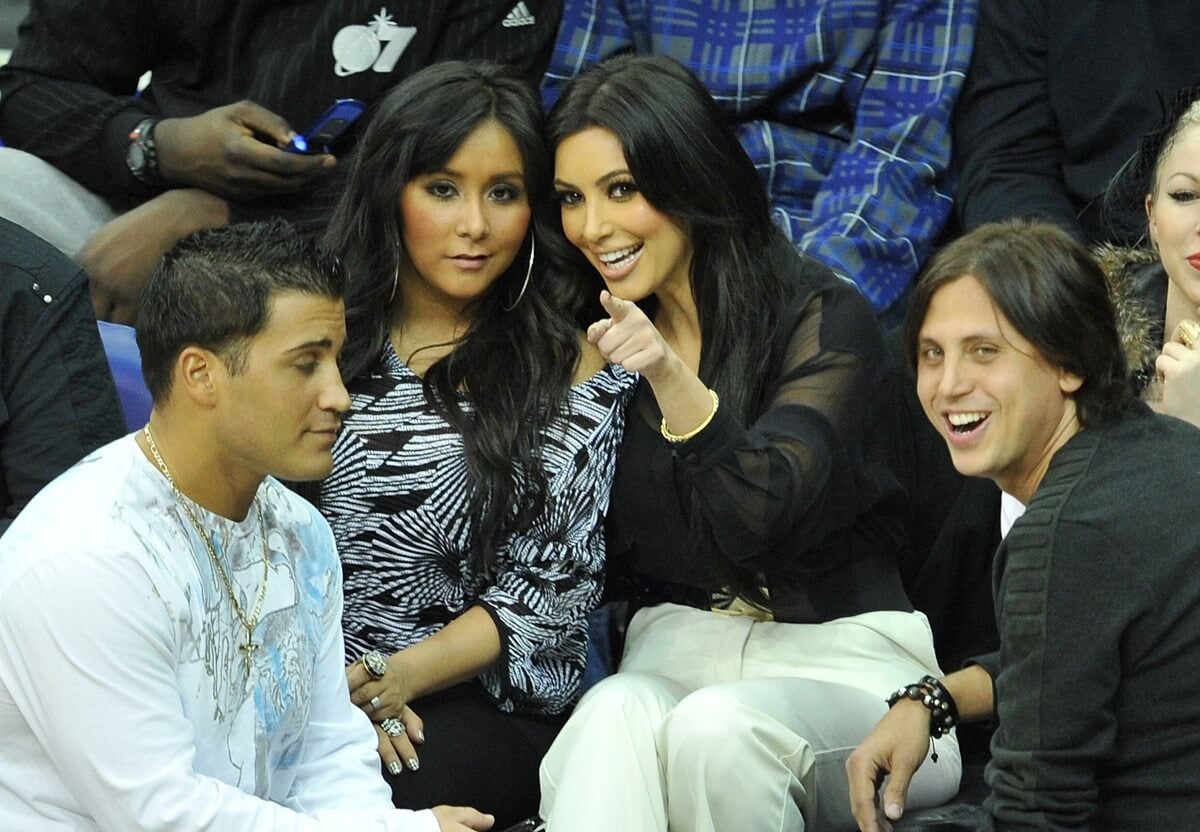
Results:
683 437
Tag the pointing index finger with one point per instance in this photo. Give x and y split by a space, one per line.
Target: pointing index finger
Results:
613 305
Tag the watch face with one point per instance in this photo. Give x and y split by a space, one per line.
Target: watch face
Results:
136 157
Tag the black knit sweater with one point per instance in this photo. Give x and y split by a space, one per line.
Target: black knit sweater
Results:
1098 605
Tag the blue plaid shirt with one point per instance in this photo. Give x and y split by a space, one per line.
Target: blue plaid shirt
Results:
844 106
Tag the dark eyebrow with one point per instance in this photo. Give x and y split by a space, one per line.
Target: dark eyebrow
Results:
508 174
608 177
973 338
307 346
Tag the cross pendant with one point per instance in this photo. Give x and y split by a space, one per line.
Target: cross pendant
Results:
248 651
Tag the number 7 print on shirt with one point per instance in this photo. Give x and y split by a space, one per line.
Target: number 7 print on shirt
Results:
376 46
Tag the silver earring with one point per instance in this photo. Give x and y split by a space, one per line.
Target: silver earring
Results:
528 272
396 275
395 285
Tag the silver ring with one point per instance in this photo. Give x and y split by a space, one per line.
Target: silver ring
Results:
392 726
375 663
375 703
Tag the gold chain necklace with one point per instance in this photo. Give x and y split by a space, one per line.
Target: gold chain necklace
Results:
249 623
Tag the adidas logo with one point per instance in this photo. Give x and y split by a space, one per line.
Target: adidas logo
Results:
519 16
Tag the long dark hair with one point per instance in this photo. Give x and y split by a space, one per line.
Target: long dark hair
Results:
516 363
689 165
1052 291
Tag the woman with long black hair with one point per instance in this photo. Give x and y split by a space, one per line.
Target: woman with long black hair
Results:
471 477
755 520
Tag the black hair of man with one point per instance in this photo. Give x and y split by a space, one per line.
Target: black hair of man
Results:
213 290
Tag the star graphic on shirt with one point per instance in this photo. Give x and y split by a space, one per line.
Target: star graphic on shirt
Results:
382 20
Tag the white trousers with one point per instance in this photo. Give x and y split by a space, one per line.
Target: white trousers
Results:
40 198
719 723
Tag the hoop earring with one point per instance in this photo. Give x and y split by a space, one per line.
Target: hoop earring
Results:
396 275
395 285
528 272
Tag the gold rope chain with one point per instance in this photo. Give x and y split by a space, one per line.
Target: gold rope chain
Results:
249 623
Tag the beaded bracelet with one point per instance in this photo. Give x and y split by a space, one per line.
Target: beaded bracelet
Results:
683 437
931 693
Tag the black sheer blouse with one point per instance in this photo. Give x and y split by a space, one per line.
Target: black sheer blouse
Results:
804 497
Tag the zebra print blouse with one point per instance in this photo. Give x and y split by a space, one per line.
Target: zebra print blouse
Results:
396 500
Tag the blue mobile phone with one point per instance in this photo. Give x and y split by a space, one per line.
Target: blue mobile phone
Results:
326 129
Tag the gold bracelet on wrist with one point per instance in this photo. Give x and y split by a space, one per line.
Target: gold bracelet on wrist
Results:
675 438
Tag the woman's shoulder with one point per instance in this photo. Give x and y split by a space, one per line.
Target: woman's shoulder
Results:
387 382
814 288
1137 285
594 373
590 361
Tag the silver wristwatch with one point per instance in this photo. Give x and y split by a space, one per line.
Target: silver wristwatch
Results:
141 157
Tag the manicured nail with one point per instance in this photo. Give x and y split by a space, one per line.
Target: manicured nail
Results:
420 736
413 764
394 768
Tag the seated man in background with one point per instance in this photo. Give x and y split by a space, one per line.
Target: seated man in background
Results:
170 638
1056 97
844 107
1021 369
57 399
203 144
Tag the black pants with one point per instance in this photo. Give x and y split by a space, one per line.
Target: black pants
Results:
476 755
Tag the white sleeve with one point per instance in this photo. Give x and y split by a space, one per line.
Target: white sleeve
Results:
87 654
340 766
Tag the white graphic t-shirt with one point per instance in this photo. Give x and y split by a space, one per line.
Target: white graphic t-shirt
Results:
125 700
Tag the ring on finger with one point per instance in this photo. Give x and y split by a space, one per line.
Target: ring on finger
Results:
375 703
375 663
1189 332
392 726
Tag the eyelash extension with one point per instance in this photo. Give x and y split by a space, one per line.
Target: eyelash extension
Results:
628 184
433 189
513 192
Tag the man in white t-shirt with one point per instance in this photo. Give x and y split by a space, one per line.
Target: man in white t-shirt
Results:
170 637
